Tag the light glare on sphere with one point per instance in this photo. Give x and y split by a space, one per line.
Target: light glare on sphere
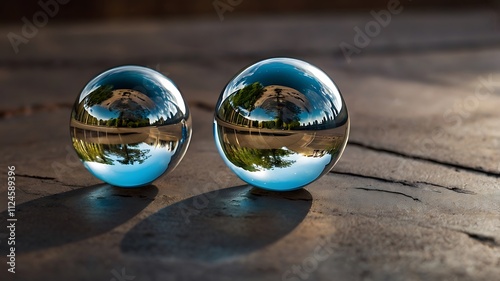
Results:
130 125
281 124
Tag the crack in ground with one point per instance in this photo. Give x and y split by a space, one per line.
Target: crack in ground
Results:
36 177
454 189
481 238
31 109
488 240
421 158
47 178
388 191
406 183
484 239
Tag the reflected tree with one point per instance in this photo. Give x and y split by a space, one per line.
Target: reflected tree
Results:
254 160
284 112
129 153
247 96
126 154
99 95
292 116
91 152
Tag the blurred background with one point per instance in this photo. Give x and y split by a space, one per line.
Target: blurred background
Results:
12 11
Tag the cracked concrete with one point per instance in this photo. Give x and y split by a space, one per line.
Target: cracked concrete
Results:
403 203
488 240
428 159
406 183
387 191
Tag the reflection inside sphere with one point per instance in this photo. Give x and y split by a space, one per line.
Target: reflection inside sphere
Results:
281 124
128 126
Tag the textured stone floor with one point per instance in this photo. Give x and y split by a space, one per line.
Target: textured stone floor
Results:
416 195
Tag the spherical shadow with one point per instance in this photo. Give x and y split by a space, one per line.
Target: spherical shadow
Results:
218 224
75 215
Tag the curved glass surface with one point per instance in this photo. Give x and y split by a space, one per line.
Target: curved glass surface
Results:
280 124
130 125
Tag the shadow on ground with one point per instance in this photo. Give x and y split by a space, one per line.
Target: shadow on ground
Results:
218 224
75 215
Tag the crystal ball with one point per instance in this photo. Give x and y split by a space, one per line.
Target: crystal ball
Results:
130 125
281 124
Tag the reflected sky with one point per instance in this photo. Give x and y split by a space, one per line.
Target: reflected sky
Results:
130 125
303 171
101 112
296 175
129 175
320 91
281 124
161 90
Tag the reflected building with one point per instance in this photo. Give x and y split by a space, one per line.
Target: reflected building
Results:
280 124
259 117
127 112
128 101
284 104
130 125
117 138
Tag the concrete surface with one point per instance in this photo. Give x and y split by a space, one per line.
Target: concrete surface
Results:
416 195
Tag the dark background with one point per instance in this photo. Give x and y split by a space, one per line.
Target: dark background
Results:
13 11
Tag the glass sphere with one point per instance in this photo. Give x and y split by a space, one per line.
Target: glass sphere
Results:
280 124
130 125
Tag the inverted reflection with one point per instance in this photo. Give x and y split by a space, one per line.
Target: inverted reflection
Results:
281 136
130 136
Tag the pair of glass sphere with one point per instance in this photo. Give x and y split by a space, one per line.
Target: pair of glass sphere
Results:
279 124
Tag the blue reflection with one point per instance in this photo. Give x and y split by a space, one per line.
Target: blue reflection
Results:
101 112
130 125
323 96
281 124
156 162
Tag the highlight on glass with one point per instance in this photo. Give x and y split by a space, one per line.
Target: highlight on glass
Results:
281 124
130 125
